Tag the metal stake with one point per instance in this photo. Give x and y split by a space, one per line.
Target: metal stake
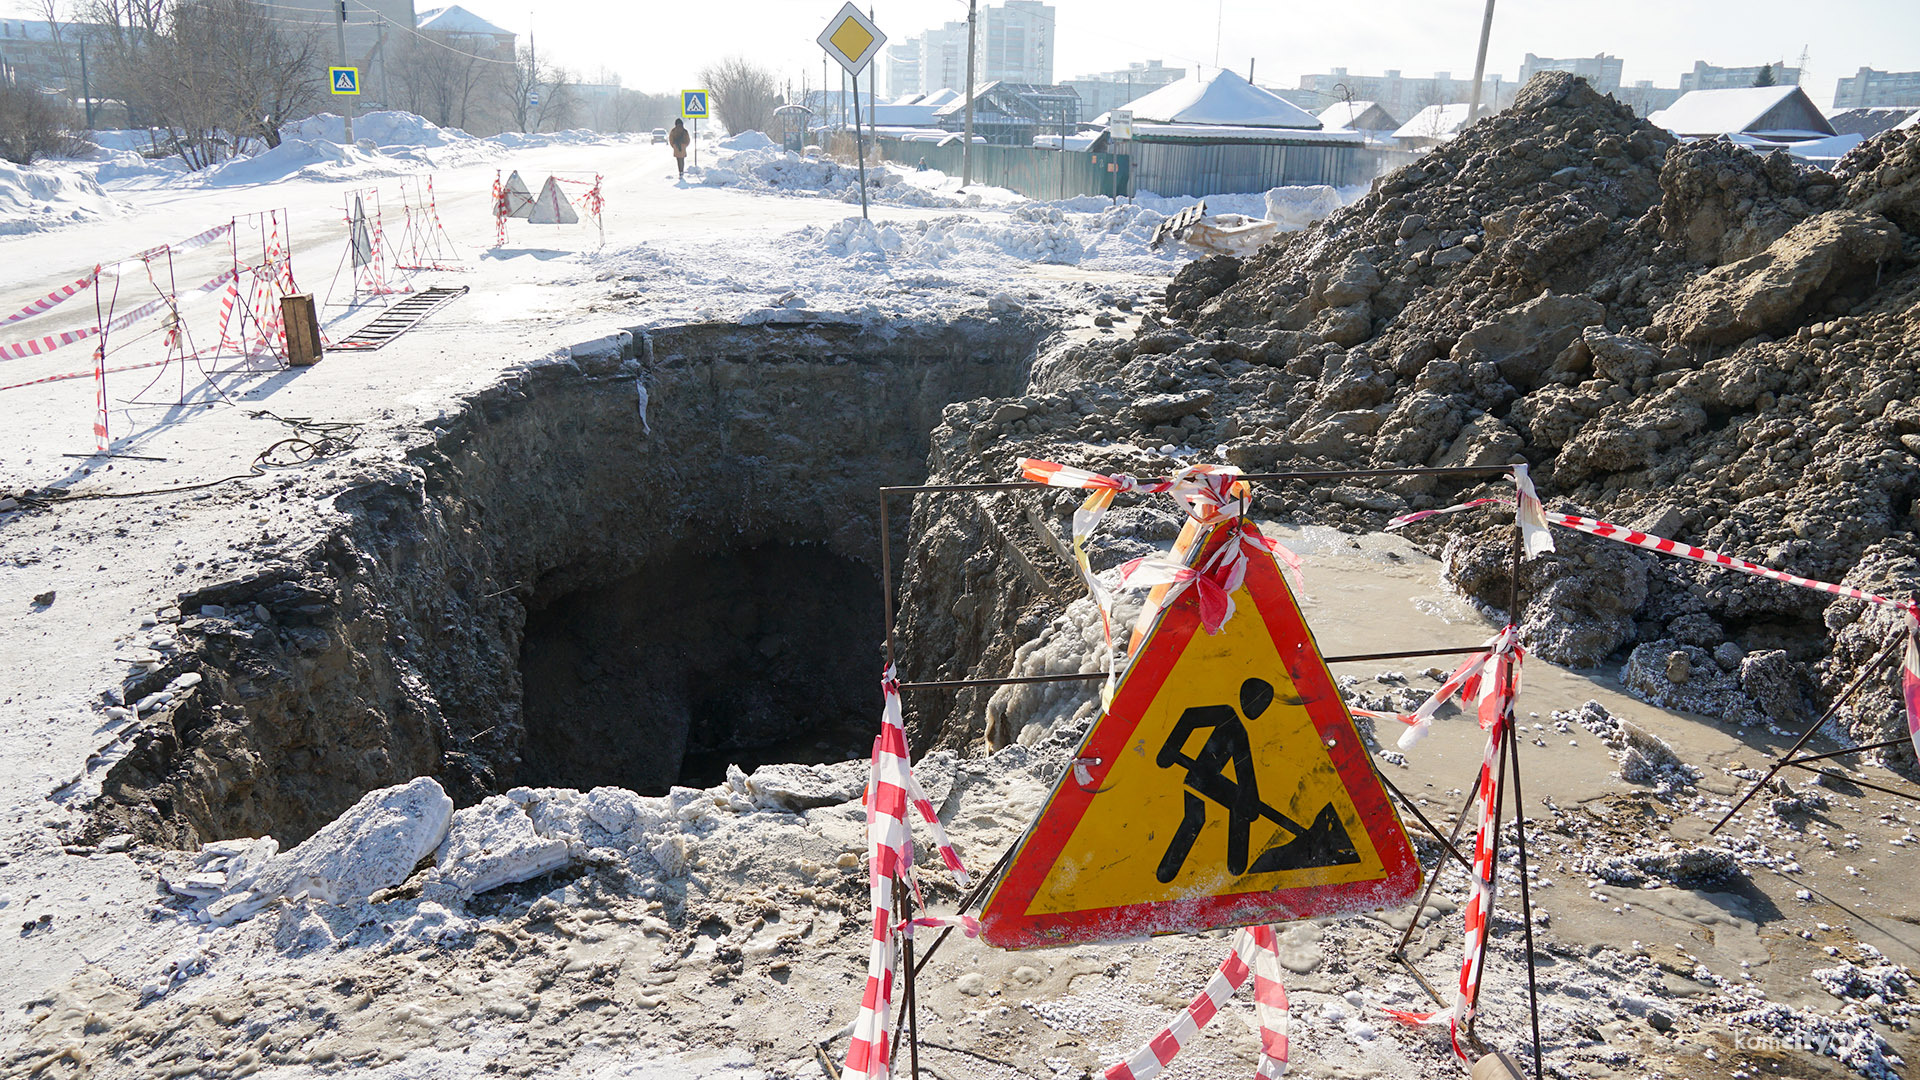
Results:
1526 898
1807 736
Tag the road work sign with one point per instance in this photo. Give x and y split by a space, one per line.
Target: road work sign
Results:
1225 785
852 39
694 105
344 80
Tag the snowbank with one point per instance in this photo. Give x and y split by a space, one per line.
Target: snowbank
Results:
388 128
747 140
33 198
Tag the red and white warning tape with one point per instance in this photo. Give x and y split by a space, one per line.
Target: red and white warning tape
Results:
1210 494
53 299
52 342
1255 951
1496 691
87 374
890 789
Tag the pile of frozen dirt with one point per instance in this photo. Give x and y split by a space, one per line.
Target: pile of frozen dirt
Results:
1695 340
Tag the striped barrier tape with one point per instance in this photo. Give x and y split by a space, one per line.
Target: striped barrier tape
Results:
891 788
1496 714
53 299
52 342
87 374
1210 494
86 281
140 261
1255 951
1910 680
1910 665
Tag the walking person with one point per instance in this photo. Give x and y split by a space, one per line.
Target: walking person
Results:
678 139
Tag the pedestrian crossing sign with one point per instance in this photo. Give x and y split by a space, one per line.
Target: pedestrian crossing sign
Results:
1225 785
694 105
852 39
344 80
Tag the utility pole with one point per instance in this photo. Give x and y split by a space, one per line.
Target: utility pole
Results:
346 102
86 93
386 84
966 144
1480 63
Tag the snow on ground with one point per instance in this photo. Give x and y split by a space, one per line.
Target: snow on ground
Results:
33 199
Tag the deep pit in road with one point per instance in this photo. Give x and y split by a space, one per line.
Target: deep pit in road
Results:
551 591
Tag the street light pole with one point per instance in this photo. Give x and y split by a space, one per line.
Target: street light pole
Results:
1480 64
966 145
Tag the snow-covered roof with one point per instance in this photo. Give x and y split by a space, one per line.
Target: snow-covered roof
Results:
456 20
1224 98
1435 122
1745 108
26 30
1242 133
1871 119
1344 113
942 96
1910 122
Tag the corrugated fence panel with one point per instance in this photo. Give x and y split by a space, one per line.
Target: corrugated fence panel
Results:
1198 169
1031 171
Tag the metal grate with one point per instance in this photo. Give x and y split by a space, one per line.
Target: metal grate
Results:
398 319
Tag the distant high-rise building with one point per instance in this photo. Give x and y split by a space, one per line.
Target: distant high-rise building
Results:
1106 90
1868 87
1705 76
903 69
1017 43
943 58
1402 96
1602 72
1644 98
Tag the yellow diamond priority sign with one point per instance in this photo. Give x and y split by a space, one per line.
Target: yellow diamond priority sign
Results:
852 39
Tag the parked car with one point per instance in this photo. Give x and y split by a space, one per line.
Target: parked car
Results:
659 135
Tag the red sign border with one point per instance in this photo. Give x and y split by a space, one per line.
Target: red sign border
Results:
1004 922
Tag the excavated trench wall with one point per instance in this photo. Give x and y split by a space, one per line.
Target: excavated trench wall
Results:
551 592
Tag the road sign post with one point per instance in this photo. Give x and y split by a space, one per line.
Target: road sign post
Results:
696 105
852 39
344 83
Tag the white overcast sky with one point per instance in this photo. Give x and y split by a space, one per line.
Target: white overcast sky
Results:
661 45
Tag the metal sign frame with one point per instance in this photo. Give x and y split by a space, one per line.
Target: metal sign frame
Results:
830 39
1304 745
705 97
1510 757
353 80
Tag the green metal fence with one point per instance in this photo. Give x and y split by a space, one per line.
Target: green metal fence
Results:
1033 172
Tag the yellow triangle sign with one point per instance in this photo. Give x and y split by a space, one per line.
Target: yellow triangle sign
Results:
1225 785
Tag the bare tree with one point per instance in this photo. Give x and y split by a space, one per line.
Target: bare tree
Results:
536 96
744 93
266 75
33 123
440 83
211 73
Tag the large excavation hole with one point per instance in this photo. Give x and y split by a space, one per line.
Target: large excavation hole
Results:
700 661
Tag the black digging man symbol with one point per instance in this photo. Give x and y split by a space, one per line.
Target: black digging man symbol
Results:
1324 843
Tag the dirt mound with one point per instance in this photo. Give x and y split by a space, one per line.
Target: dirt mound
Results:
1698 340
